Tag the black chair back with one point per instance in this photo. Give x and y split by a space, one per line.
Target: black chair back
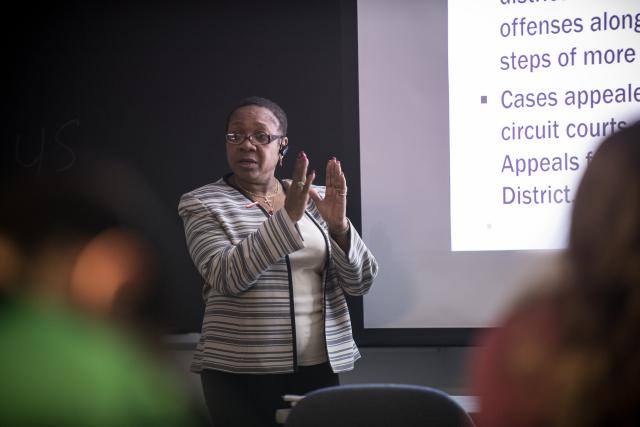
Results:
378 405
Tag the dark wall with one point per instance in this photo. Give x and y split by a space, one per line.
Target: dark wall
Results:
146 89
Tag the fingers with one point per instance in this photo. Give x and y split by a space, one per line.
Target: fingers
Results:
340 182
329 174
335 176
302 179
297 196
300 169
309 180
313 193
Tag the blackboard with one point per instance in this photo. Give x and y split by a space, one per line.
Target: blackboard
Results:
148 88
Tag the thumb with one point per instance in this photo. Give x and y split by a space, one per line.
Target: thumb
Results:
313 193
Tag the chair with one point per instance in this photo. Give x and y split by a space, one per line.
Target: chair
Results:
373 405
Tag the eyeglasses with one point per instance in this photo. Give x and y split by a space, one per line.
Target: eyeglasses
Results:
261 138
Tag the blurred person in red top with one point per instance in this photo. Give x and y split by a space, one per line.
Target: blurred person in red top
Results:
569 354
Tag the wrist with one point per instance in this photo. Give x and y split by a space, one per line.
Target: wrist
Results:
340 231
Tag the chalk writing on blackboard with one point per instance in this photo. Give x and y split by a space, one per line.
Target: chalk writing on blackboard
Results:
63 163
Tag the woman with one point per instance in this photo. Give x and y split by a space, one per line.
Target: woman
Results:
570 356
276 258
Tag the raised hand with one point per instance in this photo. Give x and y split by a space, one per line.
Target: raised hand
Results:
333 207
298 191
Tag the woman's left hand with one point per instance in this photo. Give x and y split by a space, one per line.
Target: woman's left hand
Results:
333 207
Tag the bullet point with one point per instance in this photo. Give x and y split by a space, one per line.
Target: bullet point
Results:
483 99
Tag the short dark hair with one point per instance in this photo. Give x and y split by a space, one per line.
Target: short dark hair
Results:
277 111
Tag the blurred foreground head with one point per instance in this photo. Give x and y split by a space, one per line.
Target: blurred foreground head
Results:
74 258
599 366
74 238
568 354
604 245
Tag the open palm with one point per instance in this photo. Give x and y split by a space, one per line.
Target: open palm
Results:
333 207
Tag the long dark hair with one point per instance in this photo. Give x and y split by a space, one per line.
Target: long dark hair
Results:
604 242
600 322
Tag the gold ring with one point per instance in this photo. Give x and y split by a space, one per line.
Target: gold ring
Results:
300 184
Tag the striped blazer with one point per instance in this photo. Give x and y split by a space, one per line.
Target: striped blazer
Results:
242 254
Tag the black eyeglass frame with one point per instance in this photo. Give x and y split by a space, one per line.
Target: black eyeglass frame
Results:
270 138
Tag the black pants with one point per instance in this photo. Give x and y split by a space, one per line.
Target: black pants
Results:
247 400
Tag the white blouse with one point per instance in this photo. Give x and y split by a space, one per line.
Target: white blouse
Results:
307 266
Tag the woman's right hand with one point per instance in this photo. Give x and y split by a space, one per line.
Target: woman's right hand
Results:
298 192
